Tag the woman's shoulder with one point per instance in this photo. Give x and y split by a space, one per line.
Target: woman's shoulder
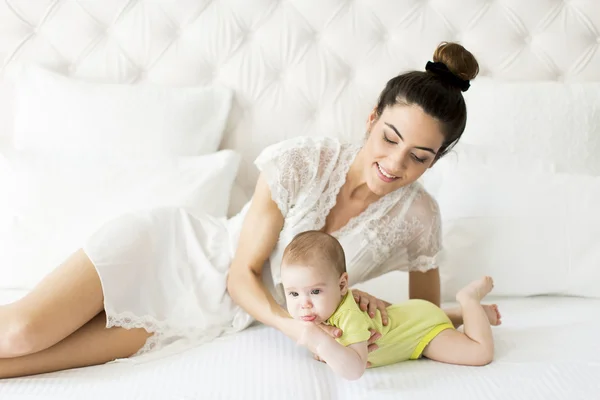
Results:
301 151
303 143
423 205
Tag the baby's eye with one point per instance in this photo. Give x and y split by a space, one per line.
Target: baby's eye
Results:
316 291
294 294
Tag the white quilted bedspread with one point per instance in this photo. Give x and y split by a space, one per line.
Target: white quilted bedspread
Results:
547 349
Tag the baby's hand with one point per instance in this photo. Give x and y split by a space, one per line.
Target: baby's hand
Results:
331 331
372 346
310 335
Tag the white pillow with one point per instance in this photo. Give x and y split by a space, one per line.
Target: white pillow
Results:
488 156
58 202
536 233
528 156
57 114
555 122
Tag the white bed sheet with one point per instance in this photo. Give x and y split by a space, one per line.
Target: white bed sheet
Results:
547 349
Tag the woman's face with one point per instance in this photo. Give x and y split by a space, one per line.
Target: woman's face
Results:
402 144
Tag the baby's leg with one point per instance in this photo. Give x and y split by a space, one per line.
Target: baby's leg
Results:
476 345
491 310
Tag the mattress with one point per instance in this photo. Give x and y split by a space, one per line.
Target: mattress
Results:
547 348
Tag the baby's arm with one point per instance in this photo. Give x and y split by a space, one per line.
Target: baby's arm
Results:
348 362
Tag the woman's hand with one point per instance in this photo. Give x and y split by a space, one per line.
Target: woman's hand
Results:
369 303
337 332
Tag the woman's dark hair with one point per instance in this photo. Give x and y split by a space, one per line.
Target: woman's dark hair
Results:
438 90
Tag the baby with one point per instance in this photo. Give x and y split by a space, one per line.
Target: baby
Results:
313 273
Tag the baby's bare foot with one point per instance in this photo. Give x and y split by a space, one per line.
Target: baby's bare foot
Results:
493 314
475 290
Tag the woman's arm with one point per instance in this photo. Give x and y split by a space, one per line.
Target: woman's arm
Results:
425 285
422 285
260 233
348 362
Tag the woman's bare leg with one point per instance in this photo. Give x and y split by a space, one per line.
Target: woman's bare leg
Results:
61 303
92 344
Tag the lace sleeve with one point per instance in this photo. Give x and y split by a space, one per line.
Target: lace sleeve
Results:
426 243
294 166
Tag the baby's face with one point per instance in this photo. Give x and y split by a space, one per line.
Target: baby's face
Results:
312 293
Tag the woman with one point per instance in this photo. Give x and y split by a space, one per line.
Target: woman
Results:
166 279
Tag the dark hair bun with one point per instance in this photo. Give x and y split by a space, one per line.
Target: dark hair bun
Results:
458 60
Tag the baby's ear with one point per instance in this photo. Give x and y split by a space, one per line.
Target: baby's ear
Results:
344 283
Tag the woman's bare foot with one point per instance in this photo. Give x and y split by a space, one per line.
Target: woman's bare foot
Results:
493 314
475 290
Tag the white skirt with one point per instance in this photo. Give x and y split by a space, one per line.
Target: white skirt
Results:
165 270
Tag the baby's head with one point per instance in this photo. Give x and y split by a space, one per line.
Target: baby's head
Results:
313 273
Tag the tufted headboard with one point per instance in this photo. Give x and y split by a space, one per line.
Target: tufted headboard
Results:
298 67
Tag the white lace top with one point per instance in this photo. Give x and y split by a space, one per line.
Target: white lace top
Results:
400 231
178 290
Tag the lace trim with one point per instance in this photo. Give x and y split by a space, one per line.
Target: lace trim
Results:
423 263
288 167
412 226
278 195
164 334
336 181
429 241
376 211
152 343
389 233
338 178
128 320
